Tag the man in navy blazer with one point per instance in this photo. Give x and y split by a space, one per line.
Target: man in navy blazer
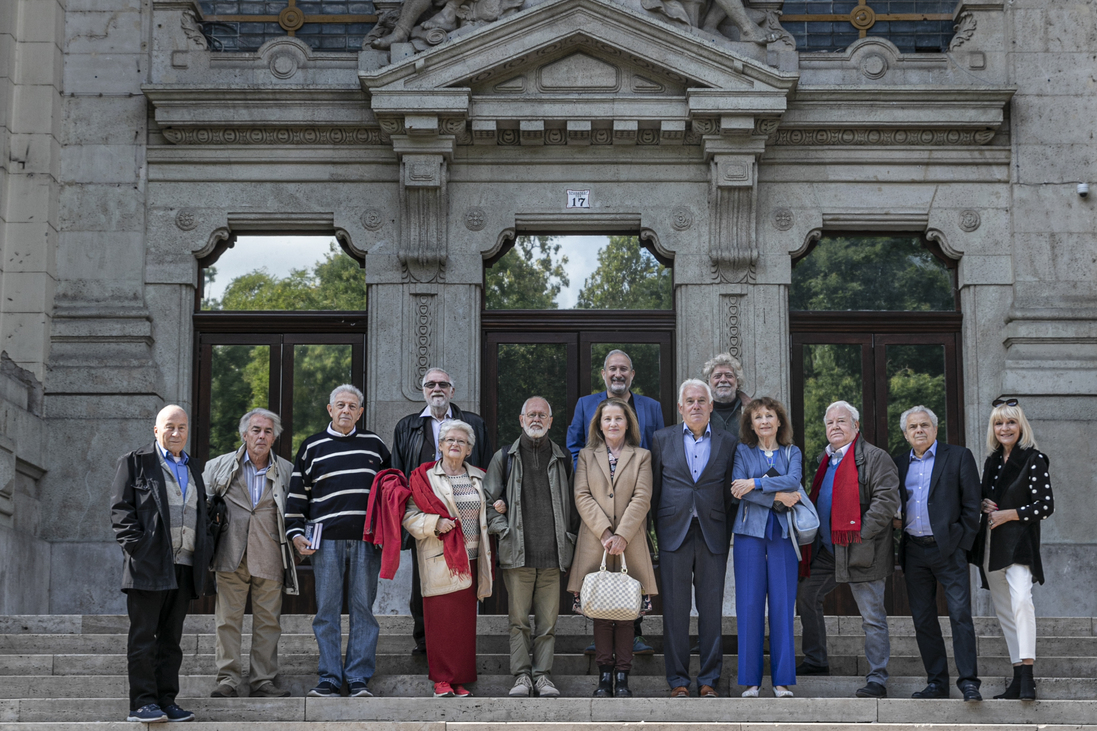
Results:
940 492
617 373
693 509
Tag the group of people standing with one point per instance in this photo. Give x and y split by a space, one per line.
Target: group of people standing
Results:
729 469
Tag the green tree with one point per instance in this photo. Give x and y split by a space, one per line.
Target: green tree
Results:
628 277
336 282
528 277
871 273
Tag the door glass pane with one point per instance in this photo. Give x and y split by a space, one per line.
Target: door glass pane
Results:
284 273
893 273
832 372
645 362
915 377
578 272
531 369
239 382
317 369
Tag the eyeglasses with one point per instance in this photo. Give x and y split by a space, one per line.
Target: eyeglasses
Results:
437 384
536 415
1007 401
451 441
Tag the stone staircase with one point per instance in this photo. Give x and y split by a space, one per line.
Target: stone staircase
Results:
68 672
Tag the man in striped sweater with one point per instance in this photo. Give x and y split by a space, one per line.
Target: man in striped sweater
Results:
332 477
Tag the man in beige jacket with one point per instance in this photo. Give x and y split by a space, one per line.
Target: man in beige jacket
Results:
252 554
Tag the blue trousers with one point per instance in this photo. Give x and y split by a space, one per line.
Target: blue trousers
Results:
328 565
766 568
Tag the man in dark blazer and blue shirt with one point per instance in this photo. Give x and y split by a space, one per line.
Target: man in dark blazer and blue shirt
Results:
693 509
939 492
158 510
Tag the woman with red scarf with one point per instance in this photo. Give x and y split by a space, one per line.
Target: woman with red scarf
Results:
446 517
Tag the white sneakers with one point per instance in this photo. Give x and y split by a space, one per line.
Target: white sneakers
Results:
523 686
545 688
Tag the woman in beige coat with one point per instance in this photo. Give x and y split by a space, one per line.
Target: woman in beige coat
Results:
446 517
612 496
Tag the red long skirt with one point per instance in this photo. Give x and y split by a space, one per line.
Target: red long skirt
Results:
450 623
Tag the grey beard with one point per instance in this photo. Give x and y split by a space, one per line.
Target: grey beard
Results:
535 434
617 389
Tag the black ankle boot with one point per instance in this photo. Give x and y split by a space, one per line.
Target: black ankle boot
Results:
1028 684
605 682
622 690
1013 691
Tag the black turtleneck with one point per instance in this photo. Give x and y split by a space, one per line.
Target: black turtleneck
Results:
539 534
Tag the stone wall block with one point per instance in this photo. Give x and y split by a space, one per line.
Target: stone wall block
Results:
118 73
104 120
1070 27
1043 208
99 164
31 292
33 109
1055 74
1036 163
39 64
42 21
1053 120
86 576
114 31
32 198
29 247
33 154
111 208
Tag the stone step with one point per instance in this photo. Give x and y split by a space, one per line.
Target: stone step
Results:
205 644
519 726
568 624
839 711
499 664
489 624
576 686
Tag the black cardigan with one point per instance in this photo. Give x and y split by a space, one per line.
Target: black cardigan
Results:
1022 483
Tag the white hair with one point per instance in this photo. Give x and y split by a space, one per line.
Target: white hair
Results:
853 412
905 416
693 382
245 421
450 424
347 388
526 403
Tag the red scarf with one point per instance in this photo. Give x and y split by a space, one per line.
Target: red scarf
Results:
388 500
453 542
845 506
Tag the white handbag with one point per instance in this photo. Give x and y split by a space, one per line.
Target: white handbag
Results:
612 595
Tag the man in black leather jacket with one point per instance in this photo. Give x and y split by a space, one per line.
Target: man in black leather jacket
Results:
414 441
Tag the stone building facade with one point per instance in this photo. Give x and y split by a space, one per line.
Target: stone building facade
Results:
132 149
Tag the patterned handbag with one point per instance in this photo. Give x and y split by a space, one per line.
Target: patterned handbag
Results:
611 595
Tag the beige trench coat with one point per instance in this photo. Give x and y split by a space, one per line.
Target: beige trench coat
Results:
622 506
434 574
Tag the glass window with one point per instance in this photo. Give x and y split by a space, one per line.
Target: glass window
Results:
289 273
915 377
529 369
832 372
240 382
892 273
317 369
578 272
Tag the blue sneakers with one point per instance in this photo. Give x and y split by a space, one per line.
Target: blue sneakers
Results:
148 714
358 689
175 713
324 689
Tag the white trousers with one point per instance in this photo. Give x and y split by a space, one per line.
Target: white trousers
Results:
1011 592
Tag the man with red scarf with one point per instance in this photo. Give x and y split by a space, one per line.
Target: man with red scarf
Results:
856 492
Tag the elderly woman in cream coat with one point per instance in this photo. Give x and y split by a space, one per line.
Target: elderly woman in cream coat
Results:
612 496
446 517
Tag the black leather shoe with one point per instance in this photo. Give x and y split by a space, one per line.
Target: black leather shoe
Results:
1028 684
872 690
806 668
605 682
1013 690
933 690
419 649
971 692
620 685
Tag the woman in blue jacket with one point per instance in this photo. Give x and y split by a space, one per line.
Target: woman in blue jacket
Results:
766 479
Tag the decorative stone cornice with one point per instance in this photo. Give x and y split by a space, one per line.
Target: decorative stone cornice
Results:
277 135
922 137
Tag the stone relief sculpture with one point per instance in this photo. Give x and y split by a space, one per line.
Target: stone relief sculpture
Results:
415 23
427 23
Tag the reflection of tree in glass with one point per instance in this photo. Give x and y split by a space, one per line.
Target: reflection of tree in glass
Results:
336 282
645 361
831 373
871 273
628 277
916 377
317 369
236 387
531 369
528 277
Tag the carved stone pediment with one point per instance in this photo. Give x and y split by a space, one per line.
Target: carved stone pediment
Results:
568 48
